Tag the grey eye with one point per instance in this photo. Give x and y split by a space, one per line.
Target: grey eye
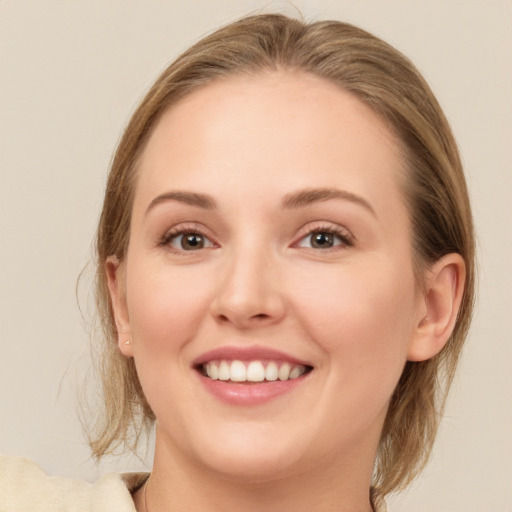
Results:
321 240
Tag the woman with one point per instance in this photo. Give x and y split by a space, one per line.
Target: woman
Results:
285 274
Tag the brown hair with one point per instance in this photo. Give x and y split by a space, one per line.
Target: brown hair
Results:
435 190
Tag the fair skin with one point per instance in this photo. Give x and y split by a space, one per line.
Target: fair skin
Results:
268 216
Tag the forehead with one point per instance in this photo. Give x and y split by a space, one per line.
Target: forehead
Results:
277 130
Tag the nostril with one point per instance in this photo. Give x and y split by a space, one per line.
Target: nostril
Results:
261 316
254 320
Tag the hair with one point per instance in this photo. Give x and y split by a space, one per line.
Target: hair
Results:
434 189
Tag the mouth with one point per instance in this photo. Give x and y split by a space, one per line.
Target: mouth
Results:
252 371
249 376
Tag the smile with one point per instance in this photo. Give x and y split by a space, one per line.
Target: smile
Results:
249 376
252 371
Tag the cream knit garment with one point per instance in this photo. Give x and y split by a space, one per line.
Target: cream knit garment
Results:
24 487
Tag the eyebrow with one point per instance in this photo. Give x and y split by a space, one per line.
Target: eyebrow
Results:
314 195
297 199
191 198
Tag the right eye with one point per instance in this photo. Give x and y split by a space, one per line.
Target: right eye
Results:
321 240
189 241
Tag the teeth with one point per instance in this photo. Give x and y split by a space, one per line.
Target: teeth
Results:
223 370
284 372
237 372
271 371
214 372
297 371
254 371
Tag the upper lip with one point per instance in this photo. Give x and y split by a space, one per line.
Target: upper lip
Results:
253 353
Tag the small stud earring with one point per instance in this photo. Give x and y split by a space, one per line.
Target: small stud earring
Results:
127 342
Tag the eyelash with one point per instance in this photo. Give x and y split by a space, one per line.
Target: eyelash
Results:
346 238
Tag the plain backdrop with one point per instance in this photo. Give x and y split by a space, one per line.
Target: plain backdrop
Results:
71 73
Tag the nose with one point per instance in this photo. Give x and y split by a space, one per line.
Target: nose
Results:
249 294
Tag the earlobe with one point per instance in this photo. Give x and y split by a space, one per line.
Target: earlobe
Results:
444 288
117 290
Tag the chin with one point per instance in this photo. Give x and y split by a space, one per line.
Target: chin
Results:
253 468
251 456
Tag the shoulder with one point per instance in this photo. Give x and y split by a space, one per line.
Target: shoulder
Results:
25 487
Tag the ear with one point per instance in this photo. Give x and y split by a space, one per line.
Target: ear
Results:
443 290
117 289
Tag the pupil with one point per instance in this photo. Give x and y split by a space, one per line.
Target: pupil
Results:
192 241
321 240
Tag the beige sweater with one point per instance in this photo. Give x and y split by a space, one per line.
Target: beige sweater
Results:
24 487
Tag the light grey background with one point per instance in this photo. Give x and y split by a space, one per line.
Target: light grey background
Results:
70 74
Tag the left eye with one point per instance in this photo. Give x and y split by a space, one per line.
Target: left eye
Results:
190 242
321 240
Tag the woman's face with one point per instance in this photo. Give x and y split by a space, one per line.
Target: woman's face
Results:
269 240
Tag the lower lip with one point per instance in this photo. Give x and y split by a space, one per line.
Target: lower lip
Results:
249 393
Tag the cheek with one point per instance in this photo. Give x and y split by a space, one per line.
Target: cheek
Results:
165 307
362 318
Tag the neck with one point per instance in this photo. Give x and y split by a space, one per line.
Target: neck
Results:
178 484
